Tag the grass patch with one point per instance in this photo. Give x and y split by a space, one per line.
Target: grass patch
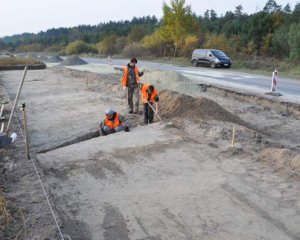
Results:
12 61
13 224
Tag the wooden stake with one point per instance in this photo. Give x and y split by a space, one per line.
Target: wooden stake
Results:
1 112
2 128
26 131
16 100
233 137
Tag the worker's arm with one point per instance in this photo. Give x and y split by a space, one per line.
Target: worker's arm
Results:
124 121
102 124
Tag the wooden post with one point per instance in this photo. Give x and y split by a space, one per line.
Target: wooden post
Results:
26 131
1 112
16 100
2 128
233 137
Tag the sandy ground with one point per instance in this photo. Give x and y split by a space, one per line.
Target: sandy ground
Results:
179 181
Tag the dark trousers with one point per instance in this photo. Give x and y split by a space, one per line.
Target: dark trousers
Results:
133 98
148 113
4 140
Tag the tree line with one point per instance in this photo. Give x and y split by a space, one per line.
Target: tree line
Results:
273 31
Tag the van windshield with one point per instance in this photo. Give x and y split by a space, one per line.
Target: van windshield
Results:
218 54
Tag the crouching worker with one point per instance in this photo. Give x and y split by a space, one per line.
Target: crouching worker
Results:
149 96
112 123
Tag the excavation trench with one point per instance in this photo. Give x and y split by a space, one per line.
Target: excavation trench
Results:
281 107
82 138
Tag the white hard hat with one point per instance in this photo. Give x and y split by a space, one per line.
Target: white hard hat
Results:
109 111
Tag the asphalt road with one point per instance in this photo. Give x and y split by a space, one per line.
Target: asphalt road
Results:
253 83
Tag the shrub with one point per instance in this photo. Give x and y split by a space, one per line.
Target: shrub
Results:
218 42
78 47
108 45
35 47
134 50
154 43
190 43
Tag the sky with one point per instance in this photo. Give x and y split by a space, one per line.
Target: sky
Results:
17 16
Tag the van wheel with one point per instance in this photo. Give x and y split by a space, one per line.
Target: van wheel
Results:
213 65
195 63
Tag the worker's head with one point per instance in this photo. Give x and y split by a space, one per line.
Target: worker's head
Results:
133 61
110 113
150 89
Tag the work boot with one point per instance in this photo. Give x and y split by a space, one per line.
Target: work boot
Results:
130 112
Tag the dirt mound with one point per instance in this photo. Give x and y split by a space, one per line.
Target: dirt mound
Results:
173 104
281 158
54 59
72 61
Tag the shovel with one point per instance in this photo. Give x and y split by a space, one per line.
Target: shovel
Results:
167 123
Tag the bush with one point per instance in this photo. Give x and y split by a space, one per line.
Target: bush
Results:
190 43
108 45
134 50
218 42
35 47
80 46
154 43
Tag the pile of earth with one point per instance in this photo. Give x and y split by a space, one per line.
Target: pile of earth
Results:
72 61
176 105
281 158
54 59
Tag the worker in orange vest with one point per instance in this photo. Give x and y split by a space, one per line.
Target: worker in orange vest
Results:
130 82
113 122
149 96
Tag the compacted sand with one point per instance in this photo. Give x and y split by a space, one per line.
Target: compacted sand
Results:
180 180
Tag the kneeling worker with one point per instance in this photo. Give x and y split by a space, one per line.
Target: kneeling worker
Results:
149 96
112 123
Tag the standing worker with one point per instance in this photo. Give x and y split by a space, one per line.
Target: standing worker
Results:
131 81
112 123
149 96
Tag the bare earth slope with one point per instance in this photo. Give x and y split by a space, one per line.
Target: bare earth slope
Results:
157 182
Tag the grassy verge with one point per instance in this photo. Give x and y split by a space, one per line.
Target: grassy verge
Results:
12 61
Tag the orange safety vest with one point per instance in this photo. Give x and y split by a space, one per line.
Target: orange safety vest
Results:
145 94
125 76
112 124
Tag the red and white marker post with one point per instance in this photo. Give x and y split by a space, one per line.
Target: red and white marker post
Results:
274 81
109 60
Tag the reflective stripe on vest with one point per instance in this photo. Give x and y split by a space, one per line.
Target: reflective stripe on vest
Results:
112 124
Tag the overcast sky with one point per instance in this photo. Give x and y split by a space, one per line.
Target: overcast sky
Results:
17 16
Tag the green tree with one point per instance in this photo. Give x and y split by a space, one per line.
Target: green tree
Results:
137 33
238 11
271 6
178 22
294 41
280 47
